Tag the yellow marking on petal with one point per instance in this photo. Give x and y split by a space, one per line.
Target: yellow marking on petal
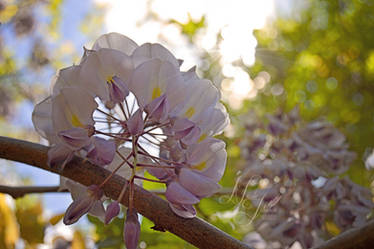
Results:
110 80
202 137
156 93
75 121
200 166
190 112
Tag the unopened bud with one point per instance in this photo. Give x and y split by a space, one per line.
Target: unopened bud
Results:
135 124
81 206
112 211
131 231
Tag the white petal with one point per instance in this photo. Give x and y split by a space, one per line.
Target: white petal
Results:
213 120
202 94
72 107
101 65
42 120
150 51
115 41
209 157
66 77
216 165
154 78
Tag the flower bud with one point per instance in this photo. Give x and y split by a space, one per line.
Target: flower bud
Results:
132 230
135 124
111 211
81 206
117 89
158 109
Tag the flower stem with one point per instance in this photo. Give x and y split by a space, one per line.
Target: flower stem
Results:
147 179
115 170
123 110
155 166
108 115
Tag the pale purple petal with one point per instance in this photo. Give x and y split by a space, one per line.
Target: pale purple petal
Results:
190 74
181 127
198 184
175 193
213 120
192 136
159 173
79 191
216 165
185 211
102 152
186 131
135 124
211 154
76 138
98 210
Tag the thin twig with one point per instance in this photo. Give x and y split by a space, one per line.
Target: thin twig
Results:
20 191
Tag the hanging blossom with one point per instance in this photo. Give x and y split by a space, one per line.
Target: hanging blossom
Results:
129 108
297 169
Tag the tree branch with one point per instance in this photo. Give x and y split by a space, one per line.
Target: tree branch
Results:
20 191
356 238
195 230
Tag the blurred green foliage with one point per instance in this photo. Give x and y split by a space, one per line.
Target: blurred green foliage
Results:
191 27
322 60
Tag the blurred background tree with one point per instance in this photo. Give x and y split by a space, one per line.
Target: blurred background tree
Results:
322 60
314 54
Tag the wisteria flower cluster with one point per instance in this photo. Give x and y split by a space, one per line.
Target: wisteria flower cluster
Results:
296 168
128 108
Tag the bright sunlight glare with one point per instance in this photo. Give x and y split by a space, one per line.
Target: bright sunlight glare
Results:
236 20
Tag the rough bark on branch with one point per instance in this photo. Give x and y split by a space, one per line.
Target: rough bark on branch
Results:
196 231
356 238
